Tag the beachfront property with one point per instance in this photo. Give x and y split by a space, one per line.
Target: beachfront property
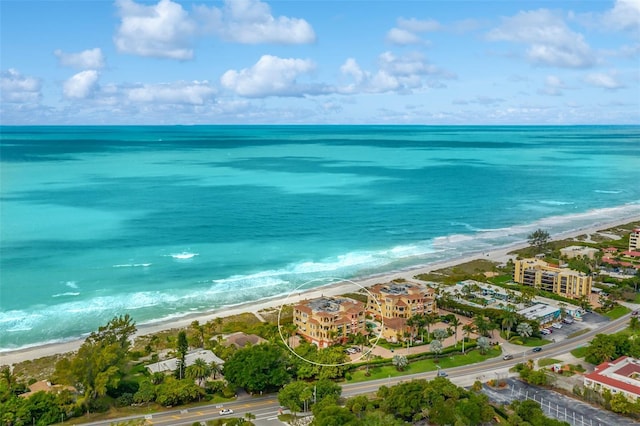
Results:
634 240
571 252
46 386
328 320
619 376
171 364
545 276
395 302
240 339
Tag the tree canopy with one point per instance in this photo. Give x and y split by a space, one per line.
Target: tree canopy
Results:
258 367
539 239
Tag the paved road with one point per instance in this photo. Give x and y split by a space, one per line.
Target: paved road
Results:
266 408
556 405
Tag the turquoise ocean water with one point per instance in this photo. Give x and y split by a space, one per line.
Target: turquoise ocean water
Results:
159 222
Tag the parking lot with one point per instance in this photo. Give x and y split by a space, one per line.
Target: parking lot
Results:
590 320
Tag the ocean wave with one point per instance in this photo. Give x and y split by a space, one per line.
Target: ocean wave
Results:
184 255
607 191
68 293
556 203
133 265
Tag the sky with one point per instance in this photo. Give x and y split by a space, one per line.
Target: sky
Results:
319 62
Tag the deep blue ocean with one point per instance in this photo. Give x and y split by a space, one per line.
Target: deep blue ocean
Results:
162 221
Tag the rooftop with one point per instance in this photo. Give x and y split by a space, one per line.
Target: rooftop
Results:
622 373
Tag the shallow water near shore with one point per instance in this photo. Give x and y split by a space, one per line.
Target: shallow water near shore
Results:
160 222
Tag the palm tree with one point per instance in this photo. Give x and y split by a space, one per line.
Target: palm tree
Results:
215 368
524 329
563 310
508 321
455 323
467 329
199 370
429 320
249 416
481 324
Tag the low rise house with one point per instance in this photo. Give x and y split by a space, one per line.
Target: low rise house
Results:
578 251
619 376
327 320
46 386
240 340
544 314
171 364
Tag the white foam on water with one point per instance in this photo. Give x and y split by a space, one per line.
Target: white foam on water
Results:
607 191
184 255
68 293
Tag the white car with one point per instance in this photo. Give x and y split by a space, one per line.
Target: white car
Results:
556 325
226 411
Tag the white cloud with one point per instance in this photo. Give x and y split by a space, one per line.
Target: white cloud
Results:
553 86
394 73
271 76
17 88
480 100
605 81
251 22
551 42
625 15
407 31
87 59
82 85
163 30
191 93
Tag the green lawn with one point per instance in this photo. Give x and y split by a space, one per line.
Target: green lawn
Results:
617 312
548 361
579 352
534 341
637 298
578 333
425 365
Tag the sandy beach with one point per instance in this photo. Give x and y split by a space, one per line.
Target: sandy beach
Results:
499 254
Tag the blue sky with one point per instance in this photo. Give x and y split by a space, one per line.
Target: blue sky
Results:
320 62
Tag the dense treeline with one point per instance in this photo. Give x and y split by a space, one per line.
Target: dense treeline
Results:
435 402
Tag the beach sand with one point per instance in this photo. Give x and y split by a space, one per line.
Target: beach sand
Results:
499 254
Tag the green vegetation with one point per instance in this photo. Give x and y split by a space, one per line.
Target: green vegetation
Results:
425 365
617 312
580 352
578 333
548 361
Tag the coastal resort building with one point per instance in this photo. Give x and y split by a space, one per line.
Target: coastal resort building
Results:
634 240
395 302
579 251
328 320
545 276
619 376
171 364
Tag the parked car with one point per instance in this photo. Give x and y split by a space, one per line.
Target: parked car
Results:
507 356
357 349
568 320
226 411
545 332
556 325
537 349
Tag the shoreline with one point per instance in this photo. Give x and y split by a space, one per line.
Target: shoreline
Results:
498 254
